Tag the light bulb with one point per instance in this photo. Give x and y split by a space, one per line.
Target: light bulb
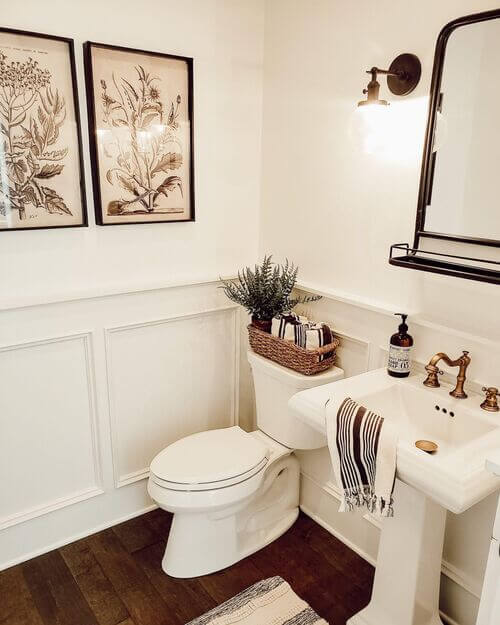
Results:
371 123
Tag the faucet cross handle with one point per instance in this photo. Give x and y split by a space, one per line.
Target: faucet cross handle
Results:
490 403
432 376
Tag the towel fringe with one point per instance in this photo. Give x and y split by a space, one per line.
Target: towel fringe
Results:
365 496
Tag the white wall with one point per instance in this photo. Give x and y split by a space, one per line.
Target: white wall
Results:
332 208
225 37
335 210
98 358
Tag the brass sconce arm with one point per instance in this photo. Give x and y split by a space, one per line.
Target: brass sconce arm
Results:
403 76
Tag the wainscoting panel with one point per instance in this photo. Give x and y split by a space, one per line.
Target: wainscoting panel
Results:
48 430
353 354
90 390
169 378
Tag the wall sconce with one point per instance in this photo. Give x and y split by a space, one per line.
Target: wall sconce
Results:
403 76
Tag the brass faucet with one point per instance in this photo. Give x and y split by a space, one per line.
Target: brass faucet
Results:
432 372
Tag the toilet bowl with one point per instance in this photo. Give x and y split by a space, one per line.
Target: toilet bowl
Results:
233 492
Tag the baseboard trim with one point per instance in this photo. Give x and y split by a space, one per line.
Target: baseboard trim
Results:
447 619
75 537
361 552
454 574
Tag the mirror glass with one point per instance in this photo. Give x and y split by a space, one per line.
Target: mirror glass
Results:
463 199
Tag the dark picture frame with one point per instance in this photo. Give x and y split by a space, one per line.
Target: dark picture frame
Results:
140 180
39 157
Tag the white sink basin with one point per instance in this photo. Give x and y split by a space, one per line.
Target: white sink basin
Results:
455 476
407 577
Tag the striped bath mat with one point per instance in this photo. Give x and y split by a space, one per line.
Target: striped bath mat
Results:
269 602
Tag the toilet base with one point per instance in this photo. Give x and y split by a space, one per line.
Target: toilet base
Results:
214 556
200 543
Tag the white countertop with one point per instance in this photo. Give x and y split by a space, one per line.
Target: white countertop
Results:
493 462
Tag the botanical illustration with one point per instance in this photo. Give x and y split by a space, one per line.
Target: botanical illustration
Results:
32 113
144 145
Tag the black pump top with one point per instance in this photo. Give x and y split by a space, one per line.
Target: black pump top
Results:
403 328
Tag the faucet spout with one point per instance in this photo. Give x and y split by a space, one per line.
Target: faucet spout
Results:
432 372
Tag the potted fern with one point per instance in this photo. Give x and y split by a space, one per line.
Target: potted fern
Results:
266 291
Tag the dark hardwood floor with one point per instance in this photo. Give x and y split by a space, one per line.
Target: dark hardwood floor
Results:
115 578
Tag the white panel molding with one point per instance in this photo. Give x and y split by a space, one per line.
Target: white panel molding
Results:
120 479
52 506
235 408
347 298
467 337
113 290
74 537
384 309
31 513
447 619
344 336
472 586
383 356
332 491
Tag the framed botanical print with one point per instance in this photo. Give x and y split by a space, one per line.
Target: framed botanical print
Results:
141 135
41 166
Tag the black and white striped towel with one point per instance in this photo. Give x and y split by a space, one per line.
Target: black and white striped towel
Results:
363 450
312 335
304 333
269 602
284 325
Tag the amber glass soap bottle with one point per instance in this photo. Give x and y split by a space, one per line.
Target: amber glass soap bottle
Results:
400 351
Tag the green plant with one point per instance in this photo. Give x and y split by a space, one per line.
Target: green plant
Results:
267 290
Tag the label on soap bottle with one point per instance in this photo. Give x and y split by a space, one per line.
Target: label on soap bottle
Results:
399 359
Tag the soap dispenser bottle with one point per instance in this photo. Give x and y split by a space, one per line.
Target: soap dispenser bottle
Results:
400 351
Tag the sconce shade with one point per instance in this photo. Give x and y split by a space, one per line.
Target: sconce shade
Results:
373 103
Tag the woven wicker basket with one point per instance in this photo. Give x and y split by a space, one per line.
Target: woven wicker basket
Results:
287 354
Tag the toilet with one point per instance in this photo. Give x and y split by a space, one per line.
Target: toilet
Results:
232 492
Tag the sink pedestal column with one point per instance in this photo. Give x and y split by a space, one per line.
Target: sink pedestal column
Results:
407 577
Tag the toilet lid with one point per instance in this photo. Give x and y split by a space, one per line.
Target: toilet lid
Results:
207 457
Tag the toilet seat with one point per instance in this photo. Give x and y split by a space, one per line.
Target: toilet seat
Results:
210 460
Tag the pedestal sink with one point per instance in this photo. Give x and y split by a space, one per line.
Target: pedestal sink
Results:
407 577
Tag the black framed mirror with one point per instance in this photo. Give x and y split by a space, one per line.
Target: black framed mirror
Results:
457 230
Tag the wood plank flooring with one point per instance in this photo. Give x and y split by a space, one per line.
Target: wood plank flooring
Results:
115 578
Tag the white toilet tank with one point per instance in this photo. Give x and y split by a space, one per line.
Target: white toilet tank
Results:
274 385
